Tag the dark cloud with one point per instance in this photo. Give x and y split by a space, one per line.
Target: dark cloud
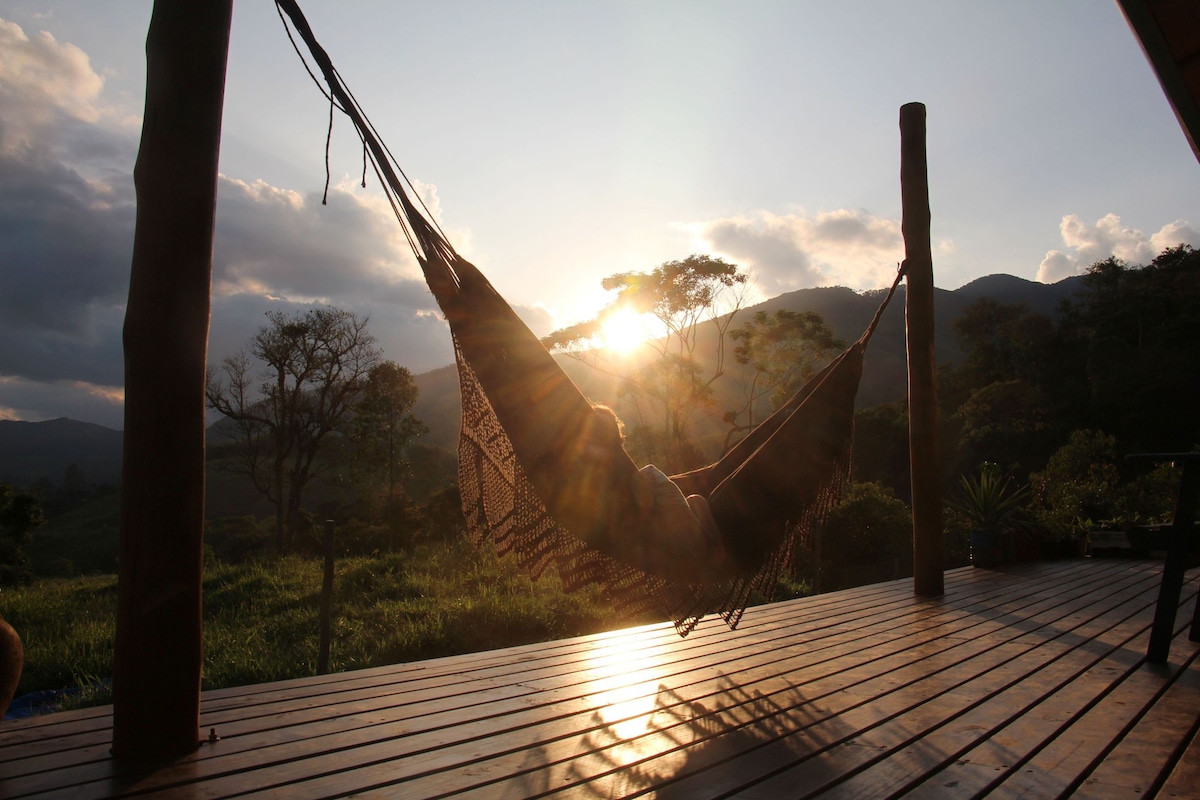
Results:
64 245
67 214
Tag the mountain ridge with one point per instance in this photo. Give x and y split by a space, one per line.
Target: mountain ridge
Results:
30 451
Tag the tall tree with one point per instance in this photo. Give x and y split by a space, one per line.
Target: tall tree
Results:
315 366
683 297
1141 328
383 421
781 351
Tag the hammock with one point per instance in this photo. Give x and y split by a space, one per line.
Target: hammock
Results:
524 423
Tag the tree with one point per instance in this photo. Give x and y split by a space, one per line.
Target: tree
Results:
1005 422
1078 487
1141 332
782 351
866 538
383 420
679 296
20 513
316 365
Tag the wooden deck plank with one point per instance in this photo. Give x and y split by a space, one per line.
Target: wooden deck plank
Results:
1005 749
567 737
677 643
456 693
275 717
1140 761
1185 776
269 703
918 743
865 693
854 749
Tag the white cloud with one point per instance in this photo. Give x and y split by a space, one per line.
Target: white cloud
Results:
1109 238
798 250
42 81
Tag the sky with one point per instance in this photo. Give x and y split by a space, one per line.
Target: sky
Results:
561 141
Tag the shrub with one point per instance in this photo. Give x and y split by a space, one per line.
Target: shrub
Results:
866 538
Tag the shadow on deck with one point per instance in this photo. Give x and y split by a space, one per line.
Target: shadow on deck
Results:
1027 681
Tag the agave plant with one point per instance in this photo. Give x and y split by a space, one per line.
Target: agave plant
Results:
991 503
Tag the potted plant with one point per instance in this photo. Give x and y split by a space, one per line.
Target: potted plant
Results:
993 509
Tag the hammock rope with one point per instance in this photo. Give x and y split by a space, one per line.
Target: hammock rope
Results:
525 488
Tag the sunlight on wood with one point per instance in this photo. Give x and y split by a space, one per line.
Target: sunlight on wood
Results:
625 686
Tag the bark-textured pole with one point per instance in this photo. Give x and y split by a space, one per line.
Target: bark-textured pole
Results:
325 620
156 680
928 580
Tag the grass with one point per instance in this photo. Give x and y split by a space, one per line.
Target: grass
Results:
261 618
87 534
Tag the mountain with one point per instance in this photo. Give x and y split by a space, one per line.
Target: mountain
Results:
885 367
33 450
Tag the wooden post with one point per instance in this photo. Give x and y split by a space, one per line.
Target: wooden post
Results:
326 607
156 675
928 580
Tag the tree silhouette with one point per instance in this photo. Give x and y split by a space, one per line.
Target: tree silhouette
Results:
315 367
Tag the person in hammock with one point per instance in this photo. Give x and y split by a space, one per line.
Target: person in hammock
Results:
681 525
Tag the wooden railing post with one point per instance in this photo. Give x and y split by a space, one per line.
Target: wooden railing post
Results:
156 675
928 578
325 611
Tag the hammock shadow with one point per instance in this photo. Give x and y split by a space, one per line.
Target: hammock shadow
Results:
678 745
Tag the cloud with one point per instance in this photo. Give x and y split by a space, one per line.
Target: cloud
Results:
280 242
24 399
67 214
1109 238
42 81
797 250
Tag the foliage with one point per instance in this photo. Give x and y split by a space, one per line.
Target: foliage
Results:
881 447
1079 484
316 366
1140 332
20 513
990 502
866 538
667 392
384 424
782 350
1122 358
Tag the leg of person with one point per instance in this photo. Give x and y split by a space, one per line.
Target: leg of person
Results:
12 658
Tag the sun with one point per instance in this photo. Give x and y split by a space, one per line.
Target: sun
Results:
624 331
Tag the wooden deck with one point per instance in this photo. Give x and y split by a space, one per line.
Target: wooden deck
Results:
1030 681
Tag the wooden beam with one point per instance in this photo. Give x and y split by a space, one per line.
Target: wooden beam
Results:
156 680
922 375
1169 33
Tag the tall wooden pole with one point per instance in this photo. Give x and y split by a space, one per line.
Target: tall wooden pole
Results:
928 579
156 680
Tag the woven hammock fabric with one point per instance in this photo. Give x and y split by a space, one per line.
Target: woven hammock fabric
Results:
524 423
503 509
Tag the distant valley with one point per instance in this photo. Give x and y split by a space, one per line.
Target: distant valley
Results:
30 451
